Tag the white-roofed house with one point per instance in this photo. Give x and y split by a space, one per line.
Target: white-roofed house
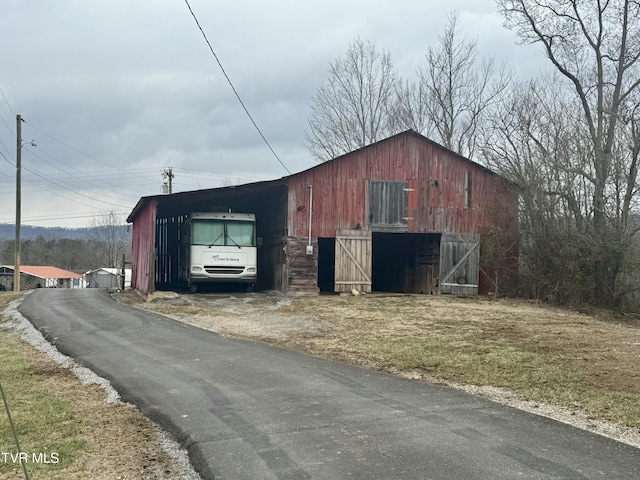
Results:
107 278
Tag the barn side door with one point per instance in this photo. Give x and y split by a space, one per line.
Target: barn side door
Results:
353 260
459 263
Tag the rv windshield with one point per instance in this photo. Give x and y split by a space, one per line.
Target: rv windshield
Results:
221 232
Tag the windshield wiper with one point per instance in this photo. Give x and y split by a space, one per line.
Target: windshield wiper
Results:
234 242
216 240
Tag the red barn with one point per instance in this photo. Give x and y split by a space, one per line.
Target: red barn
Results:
403 215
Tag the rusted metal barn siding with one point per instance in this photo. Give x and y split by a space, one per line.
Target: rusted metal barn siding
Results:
437 179
143 248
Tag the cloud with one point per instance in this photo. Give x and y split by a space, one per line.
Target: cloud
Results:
114 92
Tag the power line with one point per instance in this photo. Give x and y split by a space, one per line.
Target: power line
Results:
8 161
80 151
199 173
69 216
89 176
7 125
49 180
6 101
234 88
69 173
104 176
4 146
74 192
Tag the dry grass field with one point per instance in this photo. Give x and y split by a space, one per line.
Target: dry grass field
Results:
584 363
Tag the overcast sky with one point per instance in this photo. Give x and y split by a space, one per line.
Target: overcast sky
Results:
114 92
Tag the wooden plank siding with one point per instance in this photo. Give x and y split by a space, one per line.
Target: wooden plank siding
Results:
437 176
388 205
353 261
172 260
302 267
272 262
459 263
143 248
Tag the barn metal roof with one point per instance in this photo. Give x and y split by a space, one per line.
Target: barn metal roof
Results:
244 188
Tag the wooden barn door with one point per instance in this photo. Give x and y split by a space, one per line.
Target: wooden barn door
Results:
353 261
459 263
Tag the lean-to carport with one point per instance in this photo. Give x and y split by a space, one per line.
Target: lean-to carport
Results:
159 223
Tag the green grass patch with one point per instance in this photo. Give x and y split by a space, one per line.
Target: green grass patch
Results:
531 374
45 422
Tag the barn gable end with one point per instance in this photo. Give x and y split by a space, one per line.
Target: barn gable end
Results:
423 205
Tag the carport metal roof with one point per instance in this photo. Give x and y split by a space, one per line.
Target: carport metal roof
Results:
177 199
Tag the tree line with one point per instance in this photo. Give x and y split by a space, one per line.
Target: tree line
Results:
107 241
569 139
76 255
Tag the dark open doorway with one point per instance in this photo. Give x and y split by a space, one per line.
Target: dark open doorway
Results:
326 264
406 262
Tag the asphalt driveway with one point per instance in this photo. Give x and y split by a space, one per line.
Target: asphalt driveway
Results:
246 410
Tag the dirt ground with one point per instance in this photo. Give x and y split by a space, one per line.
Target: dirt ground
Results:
606 346
349 328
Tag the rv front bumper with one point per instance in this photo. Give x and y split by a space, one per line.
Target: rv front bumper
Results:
218 273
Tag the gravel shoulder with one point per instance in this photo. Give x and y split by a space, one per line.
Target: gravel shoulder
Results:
121 442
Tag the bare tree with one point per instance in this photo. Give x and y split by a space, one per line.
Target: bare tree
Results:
412 110
625 169
595 47
455 89
108 228
351 109
535 141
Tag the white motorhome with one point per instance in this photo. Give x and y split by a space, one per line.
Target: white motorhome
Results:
222 248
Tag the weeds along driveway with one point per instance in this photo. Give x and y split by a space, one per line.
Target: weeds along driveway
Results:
248 410
578 368
69 419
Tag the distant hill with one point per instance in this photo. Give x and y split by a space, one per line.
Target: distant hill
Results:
30 232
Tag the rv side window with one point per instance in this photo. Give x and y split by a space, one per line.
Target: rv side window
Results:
207 233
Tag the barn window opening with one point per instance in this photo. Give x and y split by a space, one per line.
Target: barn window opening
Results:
388 204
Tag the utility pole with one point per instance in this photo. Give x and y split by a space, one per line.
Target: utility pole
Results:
122 274
169 174
16 265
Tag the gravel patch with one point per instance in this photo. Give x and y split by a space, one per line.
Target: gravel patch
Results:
248 315
574 417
